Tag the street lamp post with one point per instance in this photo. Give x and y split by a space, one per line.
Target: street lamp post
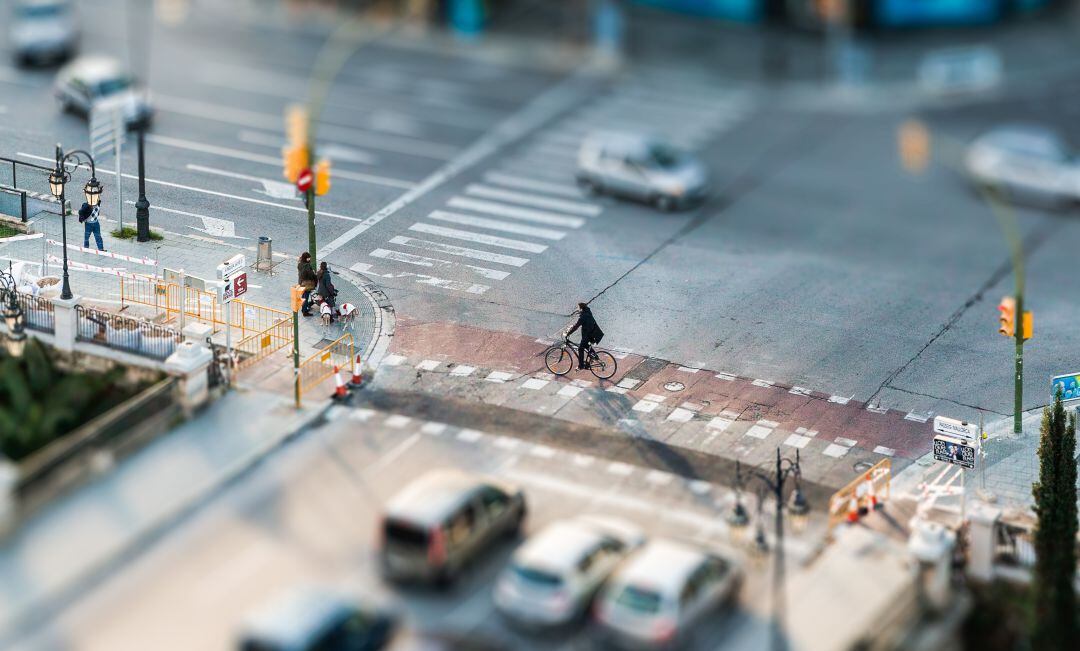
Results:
798 507
142 206
14 319
57 180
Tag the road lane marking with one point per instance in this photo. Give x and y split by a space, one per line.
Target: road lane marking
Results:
345 174
918 418
726 377
881 449
839 400
459 251
680 415
525 183
628 383
497 225
700 487
659 477
800 391
570 391
428 365
762 383
470 435
534 384
499 376
516 212
846 442
392 360
333 151
215 193
719 423
583 460
620 469
835 451
506 443
759 431
433 428
644 406
461 370
397 421
422 261
797 441
393 454
542 451
423 279
469 236
771 424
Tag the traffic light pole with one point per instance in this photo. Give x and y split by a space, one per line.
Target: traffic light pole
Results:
296 357
1018 389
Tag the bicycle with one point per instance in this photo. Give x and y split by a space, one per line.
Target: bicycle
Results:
561 358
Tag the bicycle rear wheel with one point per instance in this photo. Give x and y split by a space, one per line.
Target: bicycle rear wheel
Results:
604 366
559 360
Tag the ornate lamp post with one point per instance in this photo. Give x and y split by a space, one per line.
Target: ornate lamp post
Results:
14 318
57 180
797 507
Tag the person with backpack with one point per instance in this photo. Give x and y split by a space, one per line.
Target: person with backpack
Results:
88 217
590 332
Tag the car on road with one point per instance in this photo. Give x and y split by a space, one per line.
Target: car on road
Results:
661 594
89 80
552 578
641 167
1027 163
43 31
316 618
444 521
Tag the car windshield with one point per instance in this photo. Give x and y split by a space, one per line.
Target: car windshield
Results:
405 535
114 85
1036 145
642 601
39 11
664 157
537 577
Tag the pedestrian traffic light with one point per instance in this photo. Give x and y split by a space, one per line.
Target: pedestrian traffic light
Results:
1007 307
322 177
295 159
913 140
296 297
296 125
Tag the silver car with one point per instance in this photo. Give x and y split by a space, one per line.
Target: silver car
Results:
1026 163
43 31
551 579
87 81
641 167
661 594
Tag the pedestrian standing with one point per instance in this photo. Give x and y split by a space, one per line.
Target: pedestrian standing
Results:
325 286
306 278
91 226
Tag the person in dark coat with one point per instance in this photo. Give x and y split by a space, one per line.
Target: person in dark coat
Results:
306 278
325 287
590 332
88 215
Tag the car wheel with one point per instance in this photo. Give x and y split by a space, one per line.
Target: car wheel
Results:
665 203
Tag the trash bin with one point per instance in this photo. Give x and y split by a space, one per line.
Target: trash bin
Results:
264 258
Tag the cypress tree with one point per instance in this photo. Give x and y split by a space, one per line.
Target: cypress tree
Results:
1054 624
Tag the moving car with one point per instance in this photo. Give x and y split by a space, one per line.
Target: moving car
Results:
552 578
640 167
661 593
43 31
443 521
314 619
1025 162
87 81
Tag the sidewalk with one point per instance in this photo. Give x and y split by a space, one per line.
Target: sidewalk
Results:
78 540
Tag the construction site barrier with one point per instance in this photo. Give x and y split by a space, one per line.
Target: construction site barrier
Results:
264 343
865 493
321 365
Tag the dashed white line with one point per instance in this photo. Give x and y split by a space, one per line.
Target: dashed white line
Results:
462 370
846 442
499 376
759 431
570 391
680 415
646 406
620 469
719 423
433 428
797 441
727 377
583 460
397 421
763 383
429 365
506 443
659 477
655 398
881 449
542 451
534 384
392 360
628 383
836 451
470 435
918 418
700 487
840 400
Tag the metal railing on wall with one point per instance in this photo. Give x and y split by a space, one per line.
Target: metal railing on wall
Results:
125 333
40 314
321 365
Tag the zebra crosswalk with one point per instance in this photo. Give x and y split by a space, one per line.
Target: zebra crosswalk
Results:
529 202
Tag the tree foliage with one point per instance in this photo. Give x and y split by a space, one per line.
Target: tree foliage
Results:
1054 624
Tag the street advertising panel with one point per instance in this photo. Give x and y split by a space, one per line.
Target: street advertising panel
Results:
1068 384
955 451
957 429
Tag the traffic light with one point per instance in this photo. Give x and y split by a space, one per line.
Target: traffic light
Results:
1007 307
296 297
913 140
322 177
1029 325
296 125
295 158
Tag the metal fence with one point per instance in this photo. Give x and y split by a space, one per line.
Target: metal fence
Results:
321 365
260 345
1014 546
39 312
124 333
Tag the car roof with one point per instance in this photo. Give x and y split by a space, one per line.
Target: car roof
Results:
661 565
91 69
40 3
432 497
559 546
1028 138
624 141
294 617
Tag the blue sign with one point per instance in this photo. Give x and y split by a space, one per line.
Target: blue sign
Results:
897 13
1068 384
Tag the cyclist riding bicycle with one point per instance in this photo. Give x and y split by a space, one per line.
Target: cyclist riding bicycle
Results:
590 332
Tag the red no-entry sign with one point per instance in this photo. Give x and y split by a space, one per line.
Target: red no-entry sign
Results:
305 179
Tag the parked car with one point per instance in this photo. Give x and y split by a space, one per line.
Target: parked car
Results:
552 578
641 167
443 521
43 31
1026 162
87 81
660 595
317 619
427 641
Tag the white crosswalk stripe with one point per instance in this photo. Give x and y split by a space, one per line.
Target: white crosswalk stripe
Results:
497 225
459 251
525 183
515 212
423 279
562 205
422 261
469 236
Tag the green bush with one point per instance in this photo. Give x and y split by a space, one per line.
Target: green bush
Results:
129 233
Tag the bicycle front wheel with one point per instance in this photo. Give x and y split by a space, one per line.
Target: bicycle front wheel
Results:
605 365
559 360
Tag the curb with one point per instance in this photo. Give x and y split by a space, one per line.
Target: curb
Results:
35 614
385 317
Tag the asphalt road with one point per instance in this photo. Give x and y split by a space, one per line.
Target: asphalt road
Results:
818 262
309 517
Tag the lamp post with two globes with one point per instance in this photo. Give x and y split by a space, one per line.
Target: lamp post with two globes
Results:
57 180
14 318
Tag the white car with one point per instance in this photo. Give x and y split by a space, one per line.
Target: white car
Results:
657 598
552 578
87 81
641 167
1026 163
43 31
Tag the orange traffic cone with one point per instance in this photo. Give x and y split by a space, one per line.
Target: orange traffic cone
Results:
853 509
357 374
340 392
